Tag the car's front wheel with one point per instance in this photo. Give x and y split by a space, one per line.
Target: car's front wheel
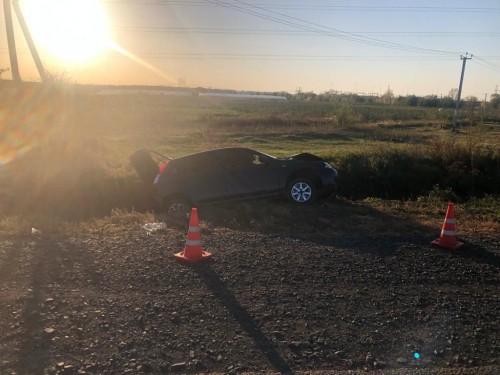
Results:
301 191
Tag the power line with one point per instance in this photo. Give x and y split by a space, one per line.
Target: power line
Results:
492 57
239 31
291 32
281 57
486 64
322 29
302 27
313 7
291 57
379 8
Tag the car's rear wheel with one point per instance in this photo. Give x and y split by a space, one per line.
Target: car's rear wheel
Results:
177 207
301 191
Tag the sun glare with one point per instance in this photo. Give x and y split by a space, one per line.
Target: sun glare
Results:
71 30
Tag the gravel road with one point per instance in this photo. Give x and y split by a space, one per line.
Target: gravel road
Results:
118 302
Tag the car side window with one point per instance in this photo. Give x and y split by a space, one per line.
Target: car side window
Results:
194 165
243 160
234 159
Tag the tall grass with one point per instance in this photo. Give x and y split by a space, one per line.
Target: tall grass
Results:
402 173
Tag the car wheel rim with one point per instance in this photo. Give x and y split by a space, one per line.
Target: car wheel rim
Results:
176 209
301 192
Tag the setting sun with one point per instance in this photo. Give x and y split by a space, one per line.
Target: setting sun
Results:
71 30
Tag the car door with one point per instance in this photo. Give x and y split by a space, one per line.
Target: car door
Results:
203 179
248 172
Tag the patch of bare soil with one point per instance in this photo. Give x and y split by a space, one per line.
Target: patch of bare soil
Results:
116 301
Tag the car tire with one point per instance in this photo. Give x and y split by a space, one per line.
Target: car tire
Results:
301 191
177 207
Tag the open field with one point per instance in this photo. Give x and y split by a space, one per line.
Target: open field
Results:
349 284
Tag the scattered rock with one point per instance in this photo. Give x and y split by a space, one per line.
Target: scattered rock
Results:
176 367
402 361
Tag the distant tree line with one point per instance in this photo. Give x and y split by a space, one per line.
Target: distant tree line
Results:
388 98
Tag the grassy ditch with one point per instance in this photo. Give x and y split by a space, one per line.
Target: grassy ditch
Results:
66 154
406 173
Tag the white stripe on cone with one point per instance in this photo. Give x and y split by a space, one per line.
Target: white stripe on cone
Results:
448 232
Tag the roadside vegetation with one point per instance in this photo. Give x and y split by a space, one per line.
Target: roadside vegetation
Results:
65 152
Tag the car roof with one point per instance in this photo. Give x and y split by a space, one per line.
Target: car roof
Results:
222 150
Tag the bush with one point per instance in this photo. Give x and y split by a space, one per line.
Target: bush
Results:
345 116
403 174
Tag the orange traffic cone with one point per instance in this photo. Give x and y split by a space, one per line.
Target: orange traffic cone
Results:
448 239
192 251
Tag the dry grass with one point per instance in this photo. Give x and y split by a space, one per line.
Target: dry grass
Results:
472 218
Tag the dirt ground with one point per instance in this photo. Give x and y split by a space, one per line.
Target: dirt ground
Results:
368 294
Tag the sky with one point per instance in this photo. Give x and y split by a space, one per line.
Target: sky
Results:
413 48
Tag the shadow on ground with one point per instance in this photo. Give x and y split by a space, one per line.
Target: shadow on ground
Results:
220 290
35 271
327 217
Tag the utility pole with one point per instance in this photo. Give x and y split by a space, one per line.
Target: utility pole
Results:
457 105
11 41
29 41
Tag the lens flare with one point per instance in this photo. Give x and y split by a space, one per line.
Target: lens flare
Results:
115 47
28 117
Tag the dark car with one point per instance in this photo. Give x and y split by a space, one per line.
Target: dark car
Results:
232 173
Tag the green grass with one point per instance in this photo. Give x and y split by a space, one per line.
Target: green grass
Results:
179 125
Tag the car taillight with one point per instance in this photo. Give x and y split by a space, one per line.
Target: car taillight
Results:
163 167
